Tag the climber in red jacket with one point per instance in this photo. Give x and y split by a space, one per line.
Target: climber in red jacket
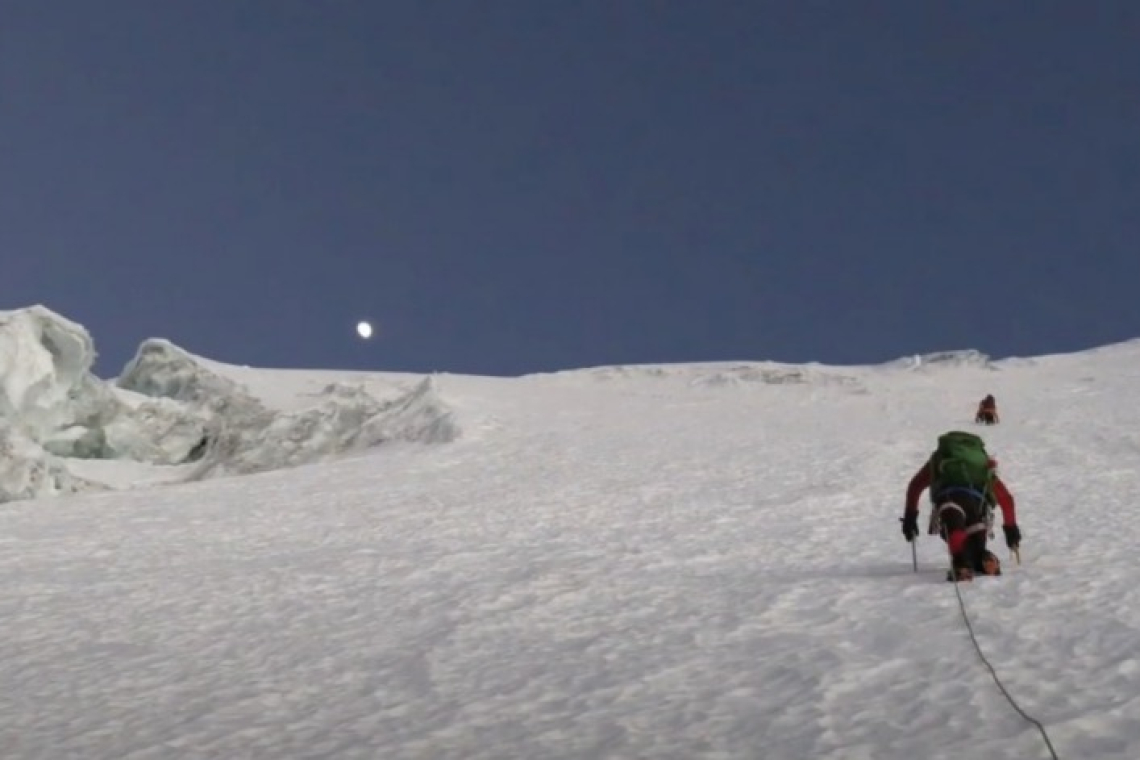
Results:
960 517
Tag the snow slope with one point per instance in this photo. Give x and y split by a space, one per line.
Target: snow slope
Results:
699 561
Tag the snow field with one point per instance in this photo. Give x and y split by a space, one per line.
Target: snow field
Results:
608 564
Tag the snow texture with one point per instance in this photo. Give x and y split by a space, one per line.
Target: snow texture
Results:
646 567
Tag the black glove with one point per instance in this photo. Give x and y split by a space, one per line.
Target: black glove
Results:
909 525
1012 536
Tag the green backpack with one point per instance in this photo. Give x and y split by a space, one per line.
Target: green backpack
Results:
961 462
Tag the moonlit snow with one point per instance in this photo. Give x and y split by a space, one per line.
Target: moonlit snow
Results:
686 561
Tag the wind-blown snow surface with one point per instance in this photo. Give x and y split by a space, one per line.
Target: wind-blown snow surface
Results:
674 562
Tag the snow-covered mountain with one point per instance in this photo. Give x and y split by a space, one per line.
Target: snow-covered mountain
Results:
677 561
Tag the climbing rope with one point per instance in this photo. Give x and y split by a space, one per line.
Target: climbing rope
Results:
993 673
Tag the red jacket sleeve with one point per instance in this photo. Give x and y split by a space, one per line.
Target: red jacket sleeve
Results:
919 482
1005 501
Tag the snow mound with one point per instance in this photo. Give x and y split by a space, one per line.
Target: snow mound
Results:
774 374
945 359
171 409
728 374
625 371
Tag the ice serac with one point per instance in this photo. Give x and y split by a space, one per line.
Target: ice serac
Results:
170 407
244 436
52 406
29 472
45 362
49 403
345 418
163 370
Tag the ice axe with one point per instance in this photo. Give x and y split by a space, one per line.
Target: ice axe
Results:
913 548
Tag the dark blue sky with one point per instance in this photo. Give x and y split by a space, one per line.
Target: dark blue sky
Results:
508 186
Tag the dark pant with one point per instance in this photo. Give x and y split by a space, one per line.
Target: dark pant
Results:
986 417
964 512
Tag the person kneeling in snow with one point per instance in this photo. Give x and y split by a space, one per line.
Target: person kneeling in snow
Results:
964 486
987 413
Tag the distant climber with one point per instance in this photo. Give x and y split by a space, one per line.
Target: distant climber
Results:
987 413
964 487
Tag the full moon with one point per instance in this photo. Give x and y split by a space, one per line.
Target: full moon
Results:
364 330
